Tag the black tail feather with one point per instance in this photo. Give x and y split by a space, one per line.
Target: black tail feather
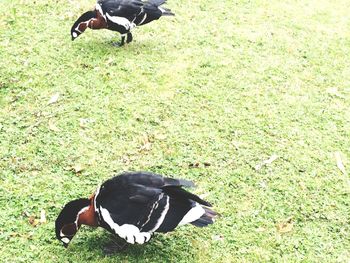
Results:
178 182
206 219
151 4
156 2
167 12
179 193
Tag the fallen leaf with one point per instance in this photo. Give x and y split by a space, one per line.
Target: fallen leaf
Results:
198 164
52 126
77 168
54 98
26 214
194 165
218 238
285 227
33 221
260 229
110 61
334 92
302 185
14 234
339 161
83 123
263 184
160 136
42 217
146 144
266 162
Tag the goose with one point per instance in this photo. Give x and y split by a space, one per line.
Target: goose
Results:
133 206
121 16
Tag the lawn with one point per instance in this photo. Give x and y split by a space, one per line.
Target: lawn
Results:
249 99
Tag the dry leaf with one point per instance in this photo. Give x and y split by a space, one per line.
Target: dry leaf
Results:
194 165
52 126
266 162
218 238
110 61
77 168
14 234
302 185
263 184
83 123
146 144
54 98
33 221
286 226
42 217
334 92
340 164
160 136
26 214
236 145
260 229
198 164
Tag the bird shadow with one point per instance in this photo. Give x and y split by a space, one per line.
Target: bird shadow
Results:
160 246
110 46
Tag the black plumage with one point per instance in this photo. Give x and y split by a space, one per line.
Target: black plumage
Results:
140 198
134 205
121 16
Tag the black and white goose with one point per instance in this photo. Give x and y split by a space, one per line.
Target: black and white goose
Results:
121 16
133 206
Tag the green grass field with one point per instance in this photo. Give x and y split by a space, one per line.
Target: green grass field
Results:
249 99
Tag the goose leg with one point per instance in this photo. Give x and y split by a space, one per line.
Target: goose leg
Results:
121 43
128 37
116 245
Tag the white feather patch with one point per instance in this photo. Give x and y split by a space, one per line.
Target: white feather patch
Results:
195 213
162 216
122 21
161 9
129 232
65 240
143 19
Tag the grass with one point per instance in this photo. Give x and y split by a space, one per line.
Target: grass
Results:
227 83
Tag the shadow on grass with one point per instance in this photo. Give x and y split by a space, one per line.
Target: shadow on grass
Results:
106 45
161 247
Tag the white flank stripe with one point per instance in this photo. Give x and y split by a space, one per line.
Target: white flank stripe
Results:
161 9
129 232
162 216
96 209
155 205
195 213
143 19
122 21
